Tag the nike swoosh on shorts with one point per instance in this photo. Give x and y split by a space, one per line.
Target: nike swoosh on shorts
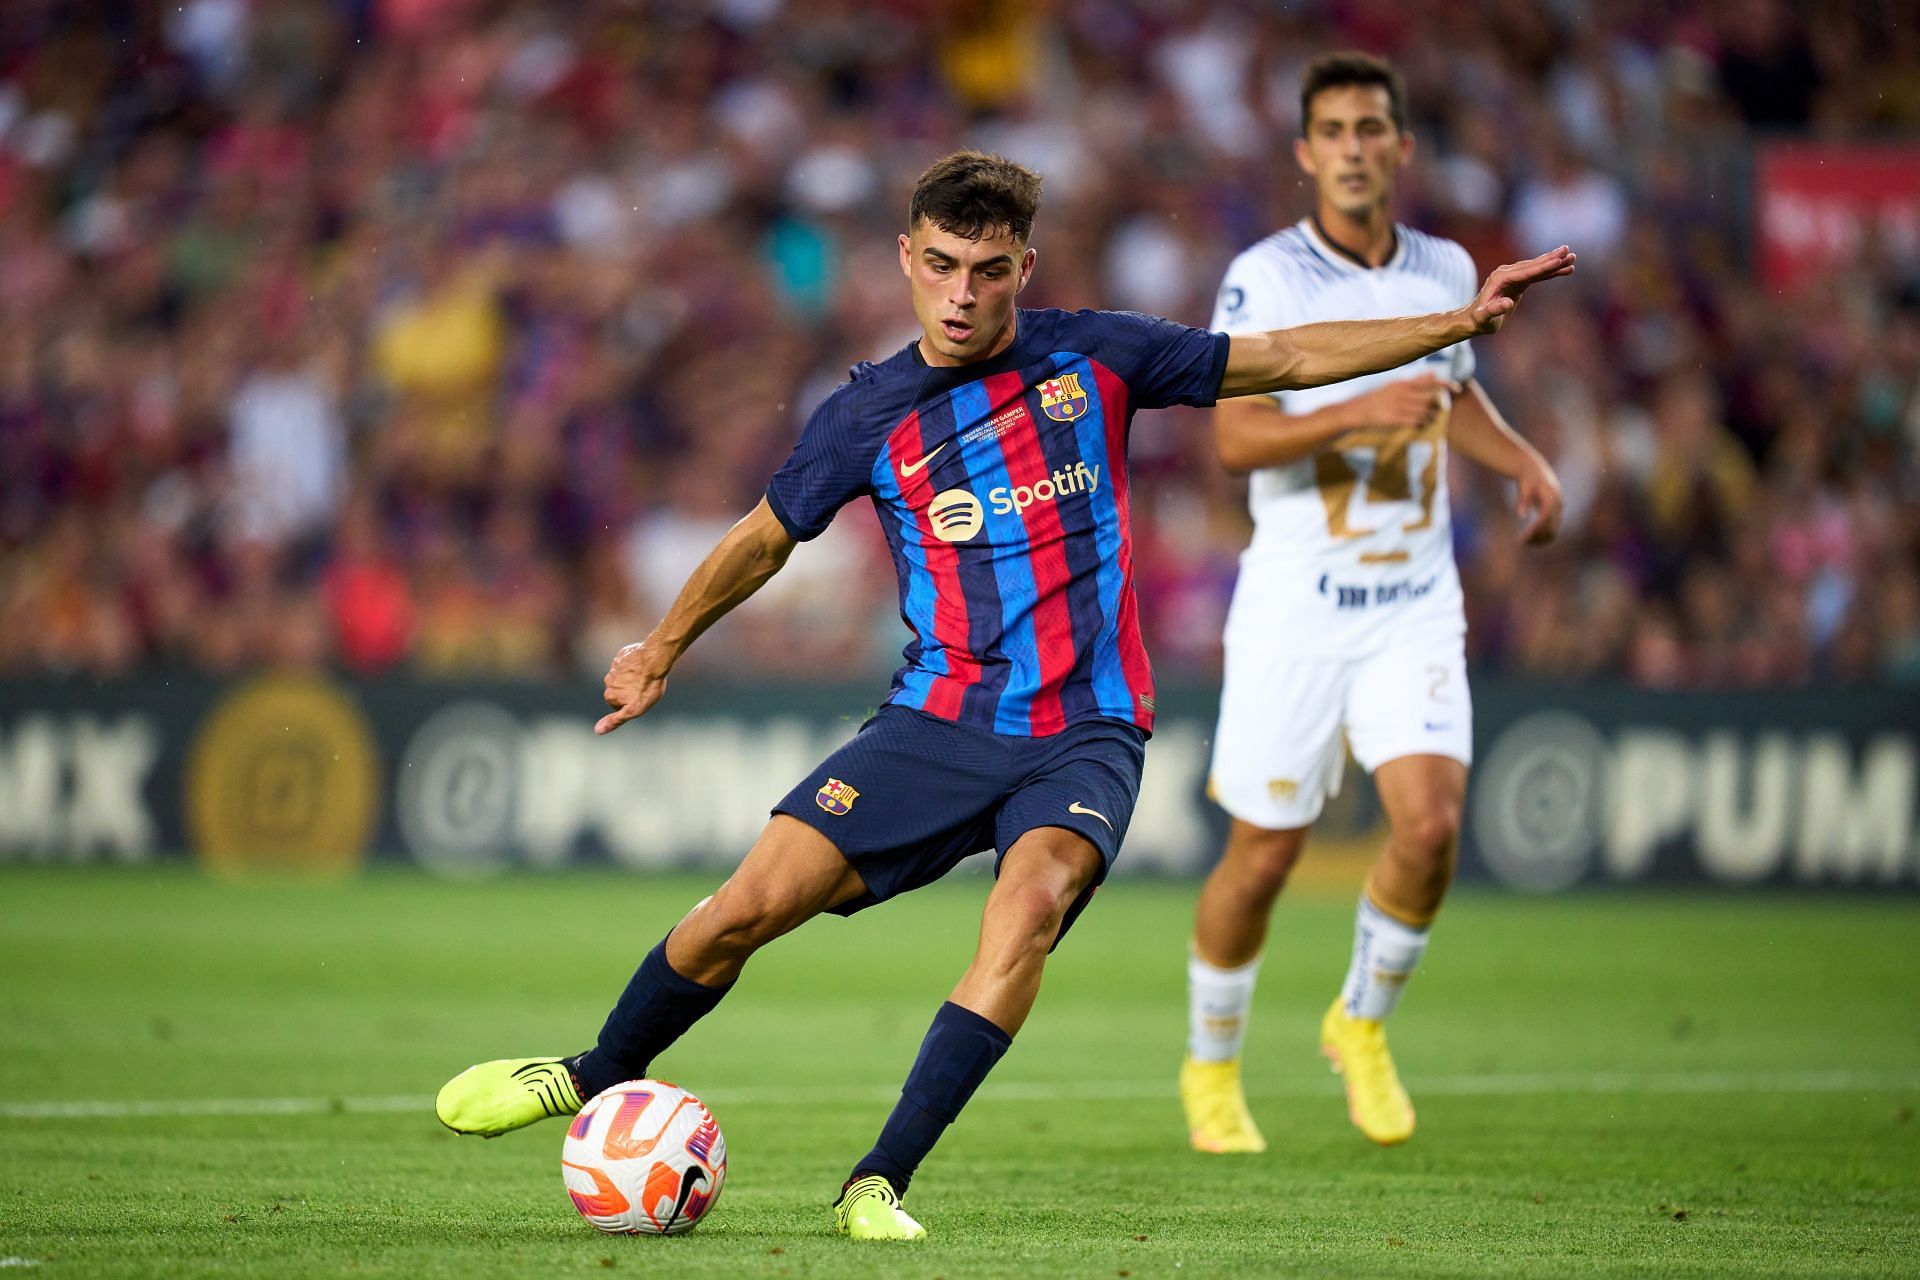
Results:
1077 807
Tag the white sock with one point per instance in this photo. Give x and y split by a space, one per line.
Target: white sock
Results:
1385 953
1218 1001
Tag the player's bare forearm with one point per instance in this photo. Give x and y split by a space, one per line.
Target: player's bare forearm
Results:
739 565
1251 434
1480 432
1313 355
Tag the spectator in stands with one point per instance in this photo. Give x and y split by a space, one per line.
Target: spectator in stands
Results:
490 270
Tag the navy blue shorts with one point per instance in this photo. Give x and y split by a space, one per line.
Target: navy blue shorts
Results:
912 794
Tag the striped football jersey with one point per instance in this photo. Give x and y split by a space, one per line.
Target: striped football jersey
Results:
1002 489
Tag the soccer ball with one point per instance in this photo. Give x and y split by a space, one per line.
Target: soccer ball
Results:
644 1158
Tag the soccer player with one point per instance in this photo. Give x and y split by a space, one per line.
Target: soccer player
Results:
1347 617
993 449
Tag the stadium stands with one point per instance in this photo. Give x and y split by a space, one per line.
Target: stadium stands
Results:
410 333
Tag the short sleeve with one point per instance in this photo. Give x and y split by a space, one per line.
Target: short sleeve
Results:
1162 363
1465 278
1253 297
826 470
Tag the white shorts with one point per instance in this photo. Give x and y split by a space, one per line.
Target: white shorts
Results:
1278 751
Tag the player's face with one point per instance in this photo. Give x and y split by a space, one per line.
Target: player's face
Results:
963 291
1352 148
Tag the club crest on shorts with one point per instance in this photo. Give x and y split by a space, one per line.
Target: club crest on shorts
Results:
1062 399
836 797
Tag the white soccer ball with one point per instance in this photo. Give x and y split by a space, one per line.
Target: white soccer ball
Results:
644 1158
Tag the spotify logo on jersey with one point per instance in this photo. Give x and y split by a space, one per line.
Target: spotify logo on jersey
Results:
956 515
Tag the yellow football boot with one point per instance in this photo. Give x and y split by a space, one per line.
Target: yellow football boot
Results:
506 1094
869 1210
1376 1101
1218 1121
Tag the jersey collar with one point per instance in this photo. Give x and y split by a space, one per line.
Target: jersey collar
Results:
1340 256
1009 358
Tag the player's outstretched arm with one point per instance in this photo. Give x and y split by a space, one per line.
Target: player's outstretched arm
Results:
1313 355
739 565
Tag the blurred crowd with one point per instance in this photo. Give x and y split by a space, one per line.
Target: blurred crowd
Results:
445 336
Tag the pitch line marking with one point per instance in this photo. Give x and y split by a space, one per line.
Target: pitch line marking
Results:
1589 1083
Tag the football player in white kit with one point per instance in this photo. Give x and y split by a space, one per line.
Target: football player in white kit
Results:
1347 625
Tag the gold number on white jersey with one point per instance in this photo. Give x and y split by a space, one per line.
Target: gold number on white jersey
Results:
1381 469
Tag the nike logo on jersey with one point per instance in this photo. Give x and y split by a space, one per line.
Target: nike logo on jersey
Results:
908 470
1077 807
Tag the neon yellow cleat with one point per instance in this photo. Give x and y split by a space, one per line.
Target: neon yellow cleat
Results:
1218 1121
1376 1101
506 1094
869 1210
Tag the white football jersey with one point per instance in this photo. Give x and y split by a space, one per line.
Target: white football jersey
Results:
1356 542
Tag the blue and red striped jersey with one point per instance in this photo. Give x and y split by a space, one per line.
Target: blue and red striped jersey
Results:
1002 489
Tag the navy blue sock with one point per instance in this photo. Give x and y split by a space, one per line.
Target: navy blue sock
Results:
655 1010
960 1048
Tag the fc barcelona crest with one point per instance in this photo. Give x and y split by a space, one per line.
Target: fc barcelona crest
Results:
836 797
1062 399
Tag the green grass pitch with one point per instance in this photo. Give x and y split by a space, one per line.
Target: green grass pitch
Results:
1607 1085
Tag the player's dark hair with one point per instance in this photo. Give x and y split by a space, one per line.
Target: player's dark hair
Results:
1337 70
973 194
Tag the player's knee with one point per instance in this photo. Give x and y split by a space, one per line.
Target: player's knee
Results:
1028 915
740 918
1264 860
1039 883
1430 834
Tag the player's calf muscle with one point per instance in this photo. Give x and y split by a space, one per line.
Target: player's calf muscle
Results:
731 925
1230 923
1230 920
791 875
1412 876
1259 861
1021 920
